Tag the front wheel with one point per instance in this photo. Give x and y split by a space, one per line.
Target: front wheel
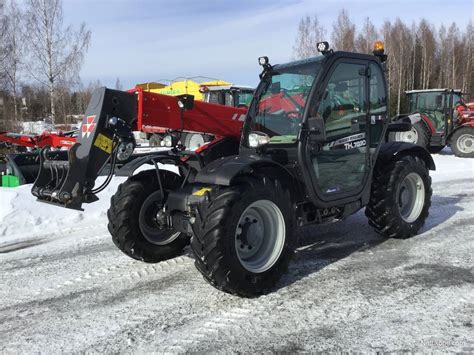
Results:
137 221
462 142
244 236
400 198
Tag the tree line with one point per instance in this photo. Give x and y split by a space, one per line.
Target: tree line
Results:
420 55
40 61
41 58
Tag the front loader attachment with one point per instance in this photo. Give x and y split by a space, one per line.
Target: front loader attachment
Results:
109 119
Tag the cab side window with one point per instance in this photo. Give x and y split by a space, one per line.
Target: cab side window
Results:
378 104
344 99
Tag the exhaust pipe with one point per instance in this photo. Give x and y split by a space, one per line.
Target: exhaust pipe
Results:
110 116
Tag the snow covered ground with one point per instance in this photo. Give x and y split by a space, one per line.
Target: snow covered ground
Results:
65 287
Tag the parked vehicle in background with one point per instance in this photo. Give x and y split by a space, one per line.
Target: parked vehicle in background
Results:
440 117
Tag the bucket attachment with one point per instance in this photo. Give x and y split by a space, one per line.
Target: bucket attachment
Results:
110 116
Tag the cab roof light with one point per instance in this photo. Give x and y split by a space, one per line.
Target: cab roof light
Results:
379 51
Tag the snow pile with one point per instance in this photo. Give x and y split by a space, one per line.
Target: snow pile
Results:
36 127
449 167
21 215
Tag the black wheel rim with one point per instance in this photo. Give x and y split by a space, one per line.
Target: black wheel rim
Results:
153 223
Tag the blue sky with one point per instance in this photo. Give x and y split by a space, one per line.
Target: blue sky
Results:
147 40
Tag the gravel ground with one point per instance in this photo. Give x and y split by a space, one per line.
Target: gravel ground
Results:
347 289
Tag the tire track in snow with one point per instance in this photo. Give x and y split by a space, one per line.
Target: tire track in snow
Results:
128 272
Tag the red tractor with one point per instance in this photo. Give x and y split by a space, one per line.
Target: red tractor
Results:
439 118
239 200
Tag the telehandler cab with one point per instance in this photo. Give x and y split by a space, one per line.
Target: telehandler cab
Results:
312 150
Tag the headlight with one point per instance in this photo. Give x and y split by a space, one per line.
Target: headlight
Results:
257 139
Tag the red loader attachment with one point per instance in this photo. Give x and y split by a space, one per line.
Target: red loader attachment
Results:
111 117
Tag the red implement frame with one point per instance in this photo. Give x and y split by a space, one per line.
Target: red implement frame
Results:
38 141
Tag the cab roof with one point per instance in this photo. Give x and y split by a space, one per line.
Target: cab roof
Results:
320 58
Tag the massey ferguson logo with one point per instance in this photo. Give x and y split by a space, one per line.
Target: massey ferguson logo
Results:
88 126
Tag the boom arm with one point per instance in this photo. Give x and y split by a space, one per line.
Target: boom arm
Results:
111 117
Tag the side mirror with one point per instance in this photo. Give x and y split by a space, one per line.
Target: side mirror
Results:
317 129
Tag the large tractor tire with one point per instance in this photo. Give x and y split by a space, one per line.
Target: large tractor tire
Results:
400 198
418 135
244 236
462 142
135 223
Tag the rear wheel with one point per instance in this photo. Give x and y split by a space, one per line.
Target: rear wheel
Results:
418 135
136 220
400 198
462 142
244 236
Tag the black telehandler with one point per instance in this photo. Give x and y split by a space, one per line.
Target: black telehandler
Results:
313 149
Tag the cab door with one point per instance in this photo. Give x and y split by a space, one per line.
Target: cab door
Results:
339 163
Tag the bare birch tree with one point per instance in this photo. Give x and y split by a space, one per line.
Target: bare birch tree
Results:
366 38
343 35
14 40
310 32
57 51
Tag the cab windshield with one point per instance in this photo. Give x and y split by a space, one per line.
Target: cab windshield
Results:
280 107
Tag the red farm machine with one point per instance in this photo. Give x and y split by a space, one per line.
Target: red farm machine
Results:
312 148
439 117
23 165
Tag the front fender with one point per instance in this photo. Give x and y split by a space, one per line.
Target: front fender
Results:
159 157
393 150
223 171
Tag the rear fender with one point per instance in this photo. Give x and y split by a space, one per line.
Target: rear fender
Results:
428 123
419 117
395 150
